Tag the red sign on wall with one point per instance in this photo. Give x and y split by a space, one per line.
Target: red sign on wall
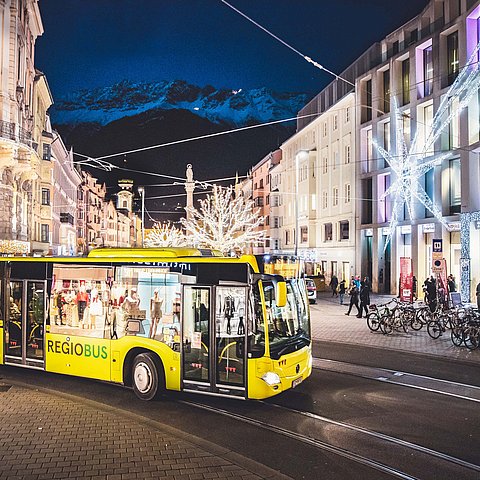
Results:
406 279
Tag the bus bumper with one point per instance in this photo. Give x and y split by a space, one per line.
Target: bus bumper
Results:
268 377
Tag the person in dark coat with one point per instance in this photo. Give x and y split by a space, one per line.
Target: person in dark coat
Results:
414 288
364 299
432 294
478 296
334 285
353 292
341 291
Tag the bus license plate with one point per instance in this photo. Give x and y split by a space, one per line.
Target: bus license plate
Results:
297 382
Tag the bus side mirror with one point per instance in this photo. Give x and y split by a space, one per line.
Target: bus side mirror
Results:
280 294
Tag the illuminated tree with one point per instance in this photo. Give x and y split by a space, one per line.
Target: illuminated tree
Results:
165 235
224 222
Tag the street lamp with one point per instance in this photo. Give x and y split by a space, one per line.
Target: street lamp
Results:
141 191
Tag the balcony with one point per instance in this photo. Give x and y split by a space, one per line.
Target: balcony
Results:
67 218
14 132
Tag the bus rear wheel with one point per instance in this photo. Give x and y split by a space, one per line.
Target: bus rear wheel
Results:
145 377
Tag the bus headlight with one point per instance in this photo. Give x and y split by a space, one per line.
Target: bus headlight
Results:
271 378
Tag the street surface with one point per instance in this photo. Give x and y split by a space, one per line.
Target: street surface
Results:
375 407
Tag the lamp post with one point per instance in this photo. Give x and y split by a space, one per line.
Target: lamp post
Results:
141 191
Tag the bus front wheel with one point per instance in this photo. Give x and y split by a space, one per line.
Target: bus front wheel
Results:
145 377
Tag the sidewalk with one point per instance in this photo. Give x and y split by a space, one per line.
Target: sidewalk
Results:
329 323
51 435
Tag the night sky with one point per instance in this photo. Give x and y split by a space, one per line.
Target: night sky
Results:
90 43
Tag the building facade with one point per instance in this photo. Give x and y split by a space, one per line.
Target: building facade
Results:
319 191
23 100
400 96
66 183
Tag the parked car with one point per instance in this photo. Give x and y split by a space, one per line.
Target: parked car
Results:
311 290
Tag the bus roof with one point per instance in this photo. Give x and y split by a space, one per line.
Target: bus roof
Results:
170 252
126 255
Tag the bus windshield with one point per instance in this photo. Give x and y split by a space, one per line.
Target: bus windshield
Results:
288 326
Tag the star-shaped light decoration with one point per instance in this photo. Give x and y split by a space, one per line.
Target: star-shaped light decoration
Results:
410 164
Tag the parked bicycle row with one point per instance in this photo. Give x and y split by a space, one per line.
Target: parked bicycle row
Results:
463 323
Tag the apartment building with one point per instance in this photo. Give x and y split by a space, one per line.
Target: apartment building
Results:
23 100
319 189
262 196
66 183
418 64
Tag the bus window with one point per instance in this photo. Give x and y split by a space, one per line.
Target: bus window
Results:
288 326
255 325
80 301
148 298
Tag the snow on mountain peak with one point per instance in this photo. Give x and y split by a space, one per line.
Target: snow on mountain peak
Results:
126 98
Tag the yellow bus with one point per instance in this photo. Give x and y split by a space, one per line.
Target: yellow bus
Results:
179 319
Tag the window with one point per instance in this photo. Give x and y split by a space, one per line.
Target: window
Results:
335 122
344 230
287 237
429 189
347 154
324 129
452 57
386 91
325 165
368 101
335 196
427 71
347 114
47 151
328 232
325 199
45 196
405 81
44 232
367 201
335 160
303 234
455 186
347 193
276 222
413 36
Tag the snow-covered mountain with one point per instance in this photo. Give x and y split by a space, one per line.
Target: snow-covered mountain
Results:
126 99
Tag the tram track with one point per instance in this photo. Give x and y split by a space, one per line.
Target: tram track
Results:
389 455
404 379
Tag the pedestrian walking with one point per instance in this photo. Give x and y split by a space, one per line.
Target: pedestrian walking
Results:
353 292
341 290
364 298
452 286
357 281
414 288
334 285
478 297
432 294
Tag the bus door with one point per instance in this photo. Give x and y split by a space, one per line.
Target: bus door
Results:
213 339
24 323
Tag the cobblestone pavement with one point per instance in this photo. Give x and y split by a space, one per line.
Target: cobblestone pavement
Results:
49 435
329 323
46 435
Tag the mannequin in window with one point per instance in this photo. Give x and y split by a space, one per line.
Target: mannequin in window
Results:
131 304
229 311
155 313
82 302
